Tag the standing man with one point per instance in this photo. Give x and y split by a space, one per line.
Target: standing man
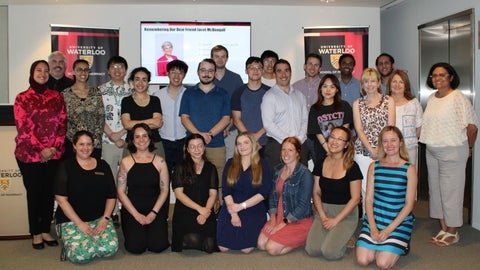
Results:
113 139
308 86
246 102
57 79
284 114
269 58
229 81
173 133
205 109
385 66
349 86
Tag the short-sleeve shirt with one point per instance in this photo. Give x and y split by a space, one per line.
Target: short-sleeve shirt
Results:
337 191
140 113
249 102
85 114
445 120
324 120
206 110
87 190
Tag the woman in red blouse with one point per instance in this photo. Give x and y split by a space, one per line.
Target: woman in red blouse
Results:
40 118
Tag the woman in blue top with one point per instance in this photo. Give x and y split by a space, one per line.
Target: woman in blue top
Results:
391 191
247 181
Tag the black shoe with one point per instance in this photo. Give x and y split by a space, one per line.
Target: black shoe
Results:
115 221
51 243
38 246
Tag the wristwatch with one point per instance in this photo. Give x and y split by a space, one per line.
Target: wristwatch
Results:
285 220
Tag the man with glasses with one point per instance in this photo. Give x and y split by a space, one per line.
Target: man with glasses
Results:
269 58
349 85
247 100
205 109
113 139
57 79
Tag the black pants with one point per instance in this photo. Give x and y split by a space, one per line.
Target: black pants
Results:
38 181
139 238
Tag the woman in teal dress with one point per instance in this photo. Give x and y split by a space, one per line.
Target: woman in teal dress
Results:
391 190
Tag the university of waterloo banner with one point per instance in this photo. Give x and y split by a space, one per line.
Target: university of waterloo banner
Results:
331 42
95 45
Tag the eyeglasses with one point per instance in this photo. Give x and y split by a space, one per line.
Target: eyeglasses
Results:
440 75
84 70
176 72
209 71
337 138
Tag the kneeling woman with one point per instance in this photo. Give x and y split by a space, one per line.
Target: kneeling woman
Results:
247 181
391 191
289 203
336 195
195 184
85 192
143 189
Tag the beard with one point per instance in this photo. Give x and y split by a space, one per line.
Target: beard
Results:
206 80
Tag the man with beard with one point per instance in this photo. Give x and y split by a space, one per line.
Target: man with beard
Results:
284 114
57 80
205 109
385 66
349 86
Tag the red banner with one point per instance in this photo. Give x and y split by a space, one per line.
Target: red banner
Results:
330 43
95 45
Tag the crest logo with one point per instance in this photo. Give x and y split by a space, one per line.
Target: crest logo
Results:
4 184
334 60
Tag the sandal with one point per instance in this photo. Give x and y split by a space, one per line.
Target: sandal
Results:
437 237
444 243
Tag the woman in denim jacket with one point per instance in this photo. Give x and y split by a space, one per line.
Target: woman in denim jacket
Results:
289 203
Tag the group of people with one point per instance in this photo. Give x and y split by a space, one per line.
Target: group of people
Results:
234 152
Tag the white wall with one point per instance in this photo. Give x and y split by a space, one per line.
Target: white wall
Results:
273 27
399 36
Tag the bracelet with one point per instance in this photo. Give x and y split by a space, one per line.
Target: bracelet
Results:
244 205
153 211
107 218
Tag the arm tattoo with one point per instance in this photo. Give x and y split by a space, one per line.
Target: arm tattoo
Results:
122 178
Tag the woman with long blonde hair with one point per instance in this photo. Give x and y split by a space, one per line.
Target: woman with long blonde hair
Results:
247 180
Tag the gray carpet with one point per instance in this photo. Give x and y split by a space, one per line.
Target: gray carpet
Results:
18 254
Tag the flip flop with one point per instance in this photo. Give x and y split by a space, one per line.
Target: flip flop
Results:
444 243
437 237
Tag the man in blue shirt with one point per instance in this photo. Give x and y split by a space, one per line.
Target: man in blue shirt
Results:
349 86
205 109
246 102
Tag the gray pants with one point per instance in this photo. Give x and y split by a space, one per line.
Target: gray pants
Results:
446 182
332 244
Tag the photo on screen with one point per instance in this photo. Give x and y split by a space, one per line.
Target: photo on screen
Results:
191 42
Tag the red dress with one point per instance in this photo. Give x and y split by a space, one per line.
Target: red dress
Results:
294 234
